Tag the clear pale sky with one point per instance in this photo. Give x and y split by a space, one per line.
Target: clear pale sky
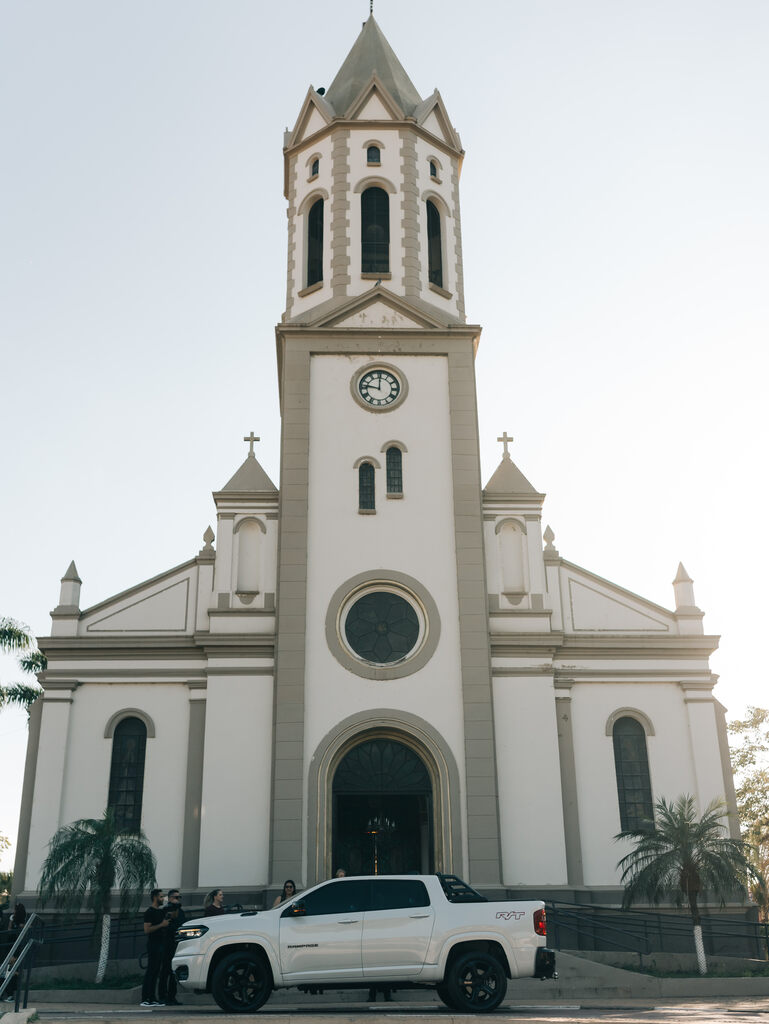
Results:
614 216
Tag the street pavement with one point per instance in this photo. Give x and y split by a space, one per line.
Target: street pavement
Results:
625 1011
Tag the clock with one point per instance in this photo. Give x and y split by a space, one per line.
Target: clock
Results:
379 387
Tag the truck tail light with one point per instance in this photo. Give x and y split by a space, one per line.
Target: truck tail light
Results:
540 922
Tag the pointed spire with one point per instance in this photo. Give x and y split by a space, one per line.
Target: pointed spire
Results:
71 574
371 53
688 615
683 588
69 593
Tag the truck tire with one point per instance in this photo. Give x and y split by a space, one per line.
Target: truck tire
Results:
475 982
242 982
443 995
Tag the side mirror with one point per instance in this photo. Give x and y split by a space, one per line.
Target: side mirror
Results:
297 909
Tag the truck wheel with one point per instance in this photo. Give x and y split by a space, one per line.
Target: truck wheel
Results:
443 993
241 982
475 982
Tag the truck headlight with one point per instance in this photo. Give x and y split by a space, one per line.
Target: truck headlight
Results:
193 931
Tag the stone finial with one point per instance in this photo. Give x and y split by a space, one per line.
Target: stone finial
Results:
688 615
207 551
683 588
549 538
69 595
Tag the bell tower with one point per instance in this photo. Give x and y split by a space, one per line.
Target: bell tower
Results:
382 643
372 182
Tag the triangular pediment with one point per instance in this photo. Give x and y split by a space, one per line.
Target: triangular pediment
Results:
597 606
431 115
159 605
315 114
374 103
378 309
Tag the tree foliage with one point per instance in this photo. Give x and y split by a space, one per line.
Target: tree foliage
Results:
89 859
679 857
750 764
16 638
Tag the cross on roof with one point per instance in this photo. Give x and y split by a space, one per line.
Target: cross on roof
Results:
505 441
251 438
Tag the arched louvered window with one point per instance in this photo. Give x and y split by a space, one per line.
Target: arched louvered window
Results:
126 777
631 764
366 487
434 252
375 231
315 167
315 243
373 155
433 169
394 470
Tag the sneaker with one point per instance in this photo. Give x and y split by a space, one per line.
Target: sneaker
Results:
147 1002
157 1004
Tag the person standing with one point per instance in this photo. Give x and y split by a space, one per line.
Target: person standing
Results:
176 918
155 921
213 905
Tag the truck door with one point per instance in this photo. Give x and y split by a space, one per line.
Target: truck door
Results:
321 933
397 929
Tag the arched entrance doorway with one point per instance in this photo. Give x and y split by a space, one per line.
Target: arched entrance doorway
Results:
382 817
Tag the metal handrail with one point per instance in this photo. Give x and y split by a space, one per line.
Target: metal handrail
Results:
27 925
16 971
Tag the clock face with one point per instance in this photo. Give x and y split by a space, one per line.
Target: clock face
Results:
379 387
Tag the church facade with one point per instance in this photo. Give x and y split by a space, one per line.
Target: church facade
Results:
383 665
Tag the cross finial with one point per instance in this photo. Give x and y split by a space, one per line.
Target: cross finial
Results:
505 441
371 6
251 438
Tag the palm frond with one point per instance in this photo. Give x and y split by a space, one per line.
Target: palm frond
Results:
34 661
14 636
20 695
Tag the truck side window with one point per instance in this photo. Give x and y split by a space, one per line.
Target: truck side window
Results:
397 893
338 897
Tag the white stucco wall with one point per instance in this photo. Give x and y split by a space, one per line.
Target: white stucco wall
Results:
235 812
530 805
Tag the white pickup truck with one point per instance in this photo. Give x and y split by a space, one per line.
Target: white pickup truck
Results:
395 930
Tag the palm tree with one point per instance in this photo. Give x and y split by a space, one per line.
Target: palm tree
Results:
17 639
86 861
678 857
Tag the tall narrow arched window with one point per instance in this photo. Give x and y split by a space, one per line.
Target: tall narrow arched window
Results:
631 764
434 251
394 470
315 243
373 155
366 500
126 777
375 231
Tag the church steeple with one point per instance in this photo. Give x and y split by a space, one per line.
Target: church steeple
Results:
372 181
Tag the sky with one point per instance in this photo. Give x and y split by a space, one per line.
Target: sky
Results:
614 219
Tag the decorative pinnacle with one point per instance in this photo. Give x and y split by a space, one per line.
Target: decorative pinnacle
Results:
505 441
251 438
208 537
549 538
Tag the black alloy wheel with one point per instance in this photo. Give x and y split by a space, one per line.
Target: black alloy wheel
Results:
475 982
242 982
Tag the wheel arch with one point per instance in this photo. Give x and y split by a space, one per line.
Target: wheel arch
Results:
491 946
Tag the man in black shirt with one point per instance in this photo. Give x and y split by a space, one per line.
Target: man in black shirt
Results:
155 923
175 915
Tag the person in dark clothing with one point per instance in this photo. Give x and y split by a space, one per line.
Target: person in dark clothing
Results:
176 918
155 922
16 923
213 905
